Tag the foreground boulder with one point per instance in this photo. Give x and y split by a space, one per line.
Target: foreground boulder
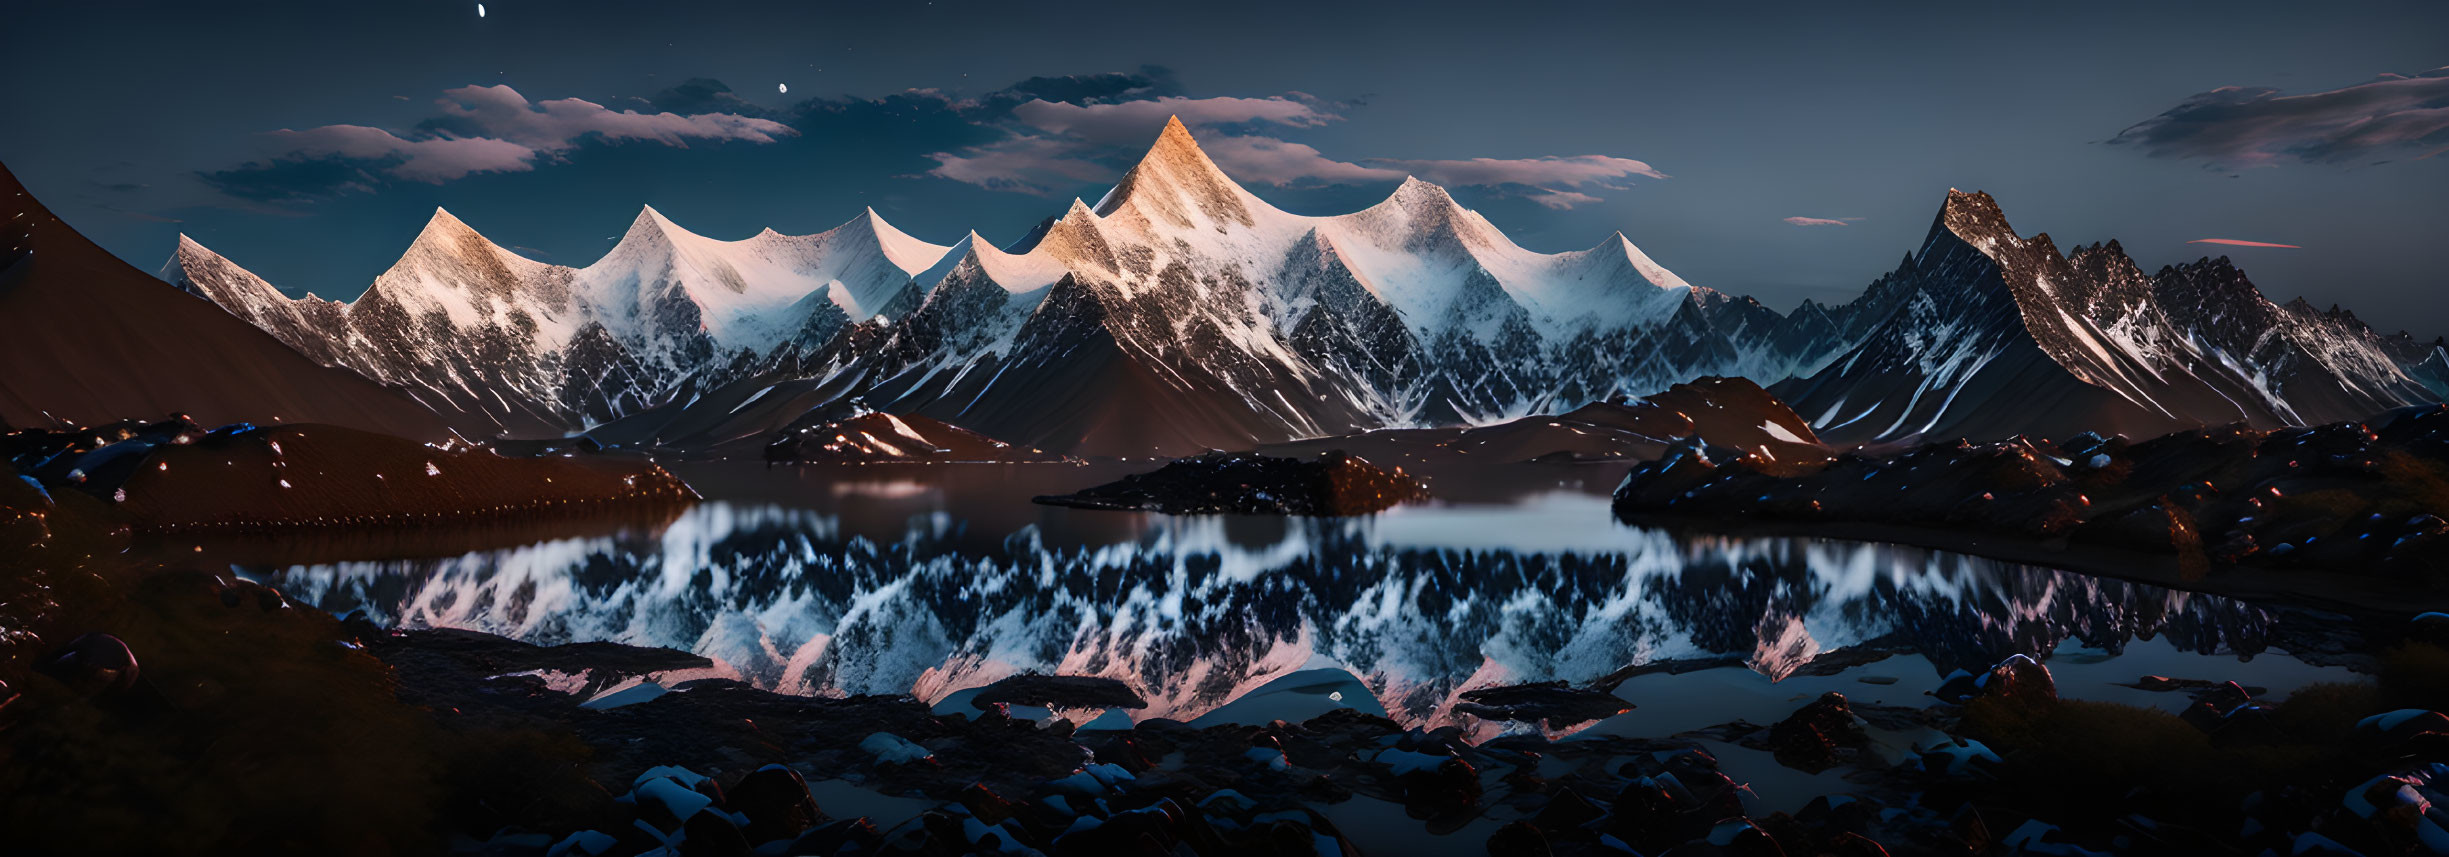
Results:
1817 736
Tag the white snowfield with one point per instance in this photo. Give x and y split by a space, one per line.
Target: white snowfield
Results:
679 302
1209 287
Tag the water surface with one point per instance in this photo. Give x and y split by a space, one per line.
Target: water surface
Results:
936 580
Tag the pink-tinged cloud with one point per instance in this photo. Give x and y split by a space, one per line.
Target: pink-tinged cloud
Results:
1557 182
1561 200
1021 164
2231 242
493 129
1127 122
1055 142
1575 170
557 125
1822 221
432 161
1548 181
1267 160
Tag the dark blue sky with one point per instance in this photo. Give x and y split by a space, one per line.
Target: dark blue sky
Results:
1697 129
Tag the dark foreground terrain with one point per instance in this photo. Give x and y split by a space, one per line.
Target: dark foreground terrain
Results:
154 708
174 475
2349 512
266 727
150 706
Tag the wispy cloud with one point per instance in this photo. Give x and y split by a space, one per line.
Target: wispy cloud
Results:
2238 126
1821 221
1044 136
1268 160
1562 199
1022 164
478 129
1488 172
432 160
1052 146
2232 242
1128 122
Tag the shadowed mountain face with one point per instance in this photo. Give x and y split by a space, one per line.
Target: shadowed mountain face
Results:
1182 313
1179 313
1986 334
1197 614
547 348
91 340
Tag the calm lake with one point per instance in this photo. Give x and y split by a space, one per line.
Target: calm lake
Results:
935 580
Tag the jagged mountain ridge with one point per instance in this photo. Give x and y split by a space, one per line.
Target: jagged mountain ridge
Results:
1985 334
562 348
1182 312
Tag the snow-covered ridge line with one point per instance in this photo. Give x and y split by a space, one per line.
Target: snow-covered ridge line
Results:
505 335
1183 312
1395 313
1986 333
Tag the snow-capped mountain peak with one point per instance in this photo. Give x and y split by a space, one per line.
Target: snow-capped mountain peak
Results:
650 231
1986 333
1652 272
668 283
974 256
208 275
1176 184
908 253
1181 311
306 324
453 269
1976 218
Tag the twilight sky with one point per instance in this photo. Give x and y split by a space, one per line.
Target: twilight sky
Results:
1782 150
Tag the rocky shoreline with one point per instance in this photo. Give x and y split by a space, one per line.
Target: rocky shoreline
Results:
127 686
2345 515
190 688
1998 762
174 476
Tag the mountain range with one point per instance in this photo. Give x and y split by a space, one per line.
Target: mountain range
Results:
1985 334
1181 312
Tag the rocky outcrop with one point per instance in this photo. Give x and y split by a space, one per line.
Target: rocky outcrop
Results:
1332 484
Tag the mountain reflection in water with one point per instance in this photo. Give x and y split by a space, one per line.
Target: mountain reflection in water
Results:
1419 604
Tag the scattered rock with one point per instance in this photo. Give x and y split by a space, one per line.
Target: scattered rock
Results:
2019 681
776 801
1815 737
709 834
2350 498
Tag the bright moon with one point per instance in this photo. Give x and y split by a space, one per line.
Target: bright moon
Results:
782 87
480 10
